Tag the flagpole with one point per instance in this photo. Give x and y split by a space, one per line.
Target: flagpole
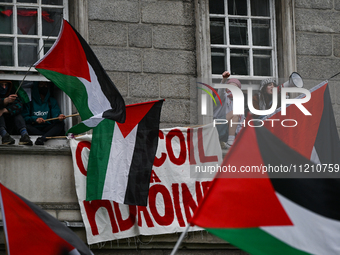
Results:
72 115
180 240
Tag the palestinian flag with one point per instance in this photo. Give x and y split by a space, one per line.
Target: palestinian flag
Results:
315 136
73 67
122 155
30 230
268 215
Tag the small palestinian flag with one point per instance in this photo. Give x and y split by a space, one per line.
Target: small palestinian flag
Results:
73 67
265 215
30 230
122 155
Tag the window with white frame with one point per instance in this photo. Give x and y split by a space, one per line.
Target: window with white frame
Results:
28 29
243 39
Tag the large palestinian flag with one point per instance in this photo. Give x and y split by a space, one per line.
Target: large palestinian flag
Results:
122 155
30 230
269 215
73 67
314 136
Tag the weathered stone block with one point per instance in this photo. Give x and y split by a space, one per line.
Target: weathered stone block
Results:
164 61
144 85
317 20
336 45
313 44
174 37
120 80
337 5
315 4
140 36
317 68
113 59
175 86
107 33
39 178
168 12
176 111
118 10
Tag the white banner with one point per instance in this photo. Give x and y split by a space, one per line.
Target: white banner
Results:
174 192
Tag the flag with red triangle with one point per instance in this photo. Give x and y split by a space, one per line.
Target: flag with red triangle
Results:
122 155
31 230
314 136
272 202
74 68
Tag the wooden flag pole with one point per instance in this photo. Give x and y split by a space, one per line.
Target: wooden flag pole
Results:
180 240
65 117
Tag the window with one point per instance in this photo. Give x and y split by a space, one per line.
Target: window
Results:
243 39
28 30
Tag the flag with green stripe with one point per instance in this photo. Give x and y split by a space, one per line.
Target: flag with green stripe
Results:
272 212
122 155
73 67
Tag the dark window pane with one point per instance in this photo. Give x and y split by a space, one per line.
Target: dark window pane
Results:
261 32
262 62
47 45
217 51
237 7
54 2
218 64
27 21
216 6
260 8
6 16
6 52
27 51
51 21
217 31
238 32
6 1
239 61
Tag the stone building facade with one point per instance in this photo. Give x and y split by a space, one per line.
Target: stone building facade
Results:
155 49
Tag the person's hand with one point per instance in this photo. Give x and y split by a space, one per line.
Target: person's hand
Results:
40 120
61 117
10 99
225 74
2 111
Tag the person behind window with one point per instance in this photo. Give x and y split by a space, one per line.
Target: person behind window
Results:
10 117
227 132
263 100
43 106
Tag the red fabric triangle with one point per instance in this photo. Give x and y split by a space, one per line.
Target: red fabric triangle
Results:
302 137
68 56
134 114
241 202
26 232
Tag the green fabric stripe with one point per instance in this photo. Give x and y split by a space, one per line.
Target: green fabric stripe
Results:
78 129
255 241
98 159
21 92
74 88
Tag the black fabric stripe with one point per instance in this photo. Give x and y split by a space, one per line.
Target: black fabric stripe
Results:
57 227
327 143
109 89
143 156
318 195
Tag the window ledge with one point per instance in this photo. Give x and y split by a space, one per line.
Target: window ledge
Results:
51 147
